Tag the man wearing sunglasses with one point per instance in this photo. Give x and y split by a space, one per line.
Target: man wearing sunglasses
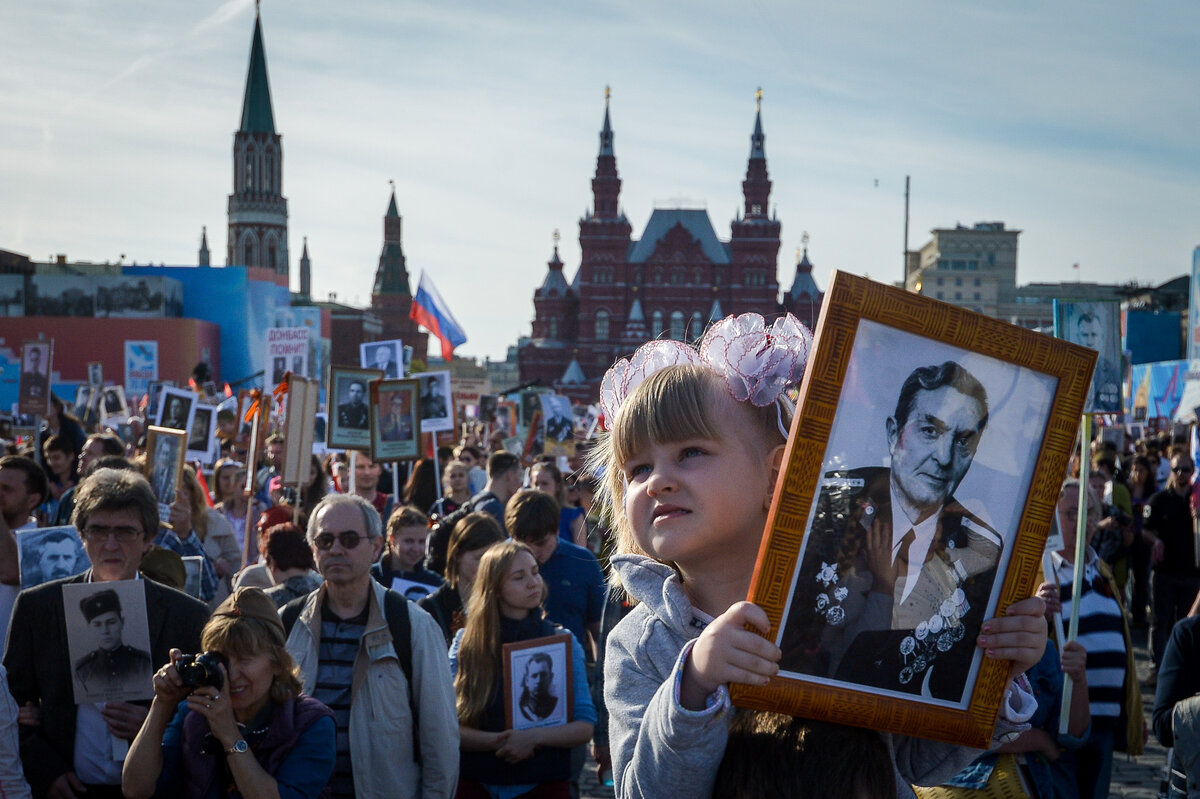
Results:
1167 526
71 752
393 701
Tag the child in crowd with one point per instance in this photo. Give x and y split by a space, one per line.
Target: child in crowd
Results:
400 568
695 447
506 607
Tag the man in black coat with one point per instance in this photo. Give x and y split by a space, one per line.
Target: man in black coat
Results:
117 516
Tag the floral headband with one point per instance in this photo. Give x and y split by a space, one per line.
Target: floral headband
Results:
757 362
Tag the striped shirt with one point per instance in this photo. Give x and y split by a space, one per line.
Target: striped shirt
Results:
335 678
1101 633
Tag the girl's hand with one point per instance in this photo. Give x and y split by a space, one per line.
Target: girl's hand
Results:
727 652
1050 595
1074 662
215 706
519 745
167 684
1019 635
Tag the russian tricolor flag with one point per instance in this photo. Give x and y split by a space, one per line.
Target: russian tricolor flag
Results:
430 312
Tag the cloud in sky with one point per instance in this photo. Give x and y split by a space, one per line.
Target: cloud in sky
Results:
1075 125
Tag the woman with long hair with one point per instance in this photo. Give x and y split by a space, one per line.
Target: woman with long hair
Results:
245 735
455 489
506 607
469 539
228 492
547 478
198 530
421 488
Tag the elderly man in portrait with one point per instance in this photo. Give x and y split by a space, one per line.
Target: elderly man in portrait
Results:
897 573
70 751
433 402
56 556
384 361
353 412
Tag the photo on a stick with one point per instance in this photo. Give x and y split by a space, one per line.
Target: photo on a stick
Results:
108 641
50 553
537 682
348 394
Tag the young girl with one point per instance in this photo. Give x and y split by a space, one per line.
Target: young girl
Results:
695 446
547 478
505 607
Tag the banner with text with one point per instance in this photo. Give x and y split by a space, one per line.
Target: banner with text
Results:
141 366
287 351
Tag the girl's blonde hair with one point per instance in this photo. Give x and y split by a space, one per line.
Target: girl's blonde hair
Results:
673 404
479 651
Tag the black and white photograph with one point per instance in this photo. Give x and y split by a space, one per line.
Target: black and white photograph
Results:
33 391
386 356
558 425
349 394
108 639
410 589
924 479
487 408
165 451
154 396
193 568
176 408
1095 325
395 424
202 434
113 403
435 402
95 373
83 398
537 682
50 553
531 403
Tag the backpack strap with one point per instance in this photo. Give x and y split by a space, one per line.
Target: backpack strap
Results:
395 610
289 613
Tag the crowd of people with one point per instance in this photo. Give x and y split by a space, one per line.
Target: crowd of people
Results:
340 639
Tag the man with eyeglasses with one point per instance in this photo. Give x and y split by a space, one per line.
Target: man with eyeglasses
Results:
1167 526
377 660
74 749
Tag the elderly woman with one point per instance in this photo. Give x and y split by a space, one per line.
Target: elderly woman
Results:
251 733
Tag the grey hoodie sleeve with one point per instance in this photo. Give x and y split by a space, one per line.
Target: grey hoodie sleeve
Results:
655 741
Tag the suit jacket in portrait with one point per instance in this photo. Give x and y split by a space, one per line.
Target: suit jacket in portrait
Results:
353 416
40 669
839 628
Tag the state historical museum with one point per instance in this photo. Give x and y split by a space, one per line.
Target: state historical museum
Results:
673 282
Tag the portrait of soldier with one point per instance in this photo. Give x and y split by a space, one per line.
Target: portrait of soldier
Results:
353 412
433 401
538 700
35 385
113 664
896 574
1106 380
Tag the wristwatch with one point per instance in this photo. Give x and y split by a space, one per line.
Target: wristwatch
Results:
239 746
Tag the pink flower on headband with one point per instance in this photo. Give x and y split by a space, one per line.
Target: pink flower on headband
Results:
757 362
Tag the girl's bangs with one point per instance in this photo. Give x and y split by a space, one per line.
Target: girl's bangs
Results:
673 404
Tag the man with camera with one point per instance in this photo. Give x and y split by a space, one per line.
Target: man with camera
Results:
69 750
363 649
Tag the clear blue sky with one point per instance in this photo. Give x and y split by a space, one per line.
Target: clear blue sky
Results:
1075 123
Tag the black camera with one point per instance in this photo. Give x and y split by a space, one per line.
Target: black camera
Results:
202 669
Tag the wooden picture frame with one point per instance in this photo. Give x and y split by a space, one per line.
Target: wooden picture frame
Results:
538 684
884 386
395 420
166 449
298 429
349 424
1095 324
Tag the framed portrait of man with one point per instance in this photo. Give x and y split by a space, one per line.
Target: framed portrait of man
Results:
113 403
386 356
153 396
83 396
924 461
395 420
95 371
165 452
434 403
50 553
558 425
176 408
537 682
1096 325
202 434
108 640
348 396
33 390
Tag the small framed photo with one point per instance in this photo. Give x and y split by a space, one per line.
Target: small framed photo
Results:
435 402
386 356
537 682
487 408
33 390
918 483
113 403
50 553
95 371
154 396
558 425
506 418
165 452
349 395
193 569
395 422
202 435
108 638
83 397
176 408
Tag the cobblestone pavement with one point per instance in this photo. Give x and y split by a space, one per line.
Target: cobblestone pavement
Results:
1131 778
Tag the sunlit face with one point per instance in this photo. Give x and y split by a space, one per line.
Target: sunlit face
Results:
16 501
456 478
107 628
94 451
544 481
337 564
468 567
250 680
408 546
521 590
366 473
934 449
227 481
